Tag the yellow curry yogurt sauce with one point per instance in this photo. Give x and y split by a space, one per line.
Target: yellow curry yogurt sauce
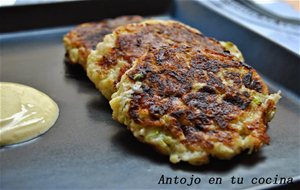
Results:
25 113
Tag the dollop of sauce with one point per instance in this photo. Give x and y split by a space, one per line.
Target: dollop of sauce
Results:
25 113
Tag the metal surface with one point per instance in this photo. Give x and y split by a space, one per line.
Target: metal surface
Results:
86 148
61 13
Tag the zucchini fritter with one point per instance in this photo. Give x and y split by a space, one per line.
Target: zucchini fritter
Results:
118 50
194 104
81 40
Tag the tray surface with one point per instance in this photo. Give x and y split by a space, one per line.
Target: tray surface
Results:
86 148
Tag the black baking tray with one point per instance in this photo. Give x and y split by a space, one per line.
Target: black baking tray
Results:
86 148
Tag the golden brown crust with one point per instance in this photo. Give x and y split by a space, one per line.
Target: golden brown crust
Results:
85 37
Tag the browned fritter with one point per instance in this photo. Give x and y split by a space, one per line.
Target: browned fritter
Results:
81 40
194 103
224 96
120 49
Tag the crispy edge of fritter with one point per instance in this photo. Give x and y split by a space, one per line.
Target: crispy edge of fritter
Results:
77 43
